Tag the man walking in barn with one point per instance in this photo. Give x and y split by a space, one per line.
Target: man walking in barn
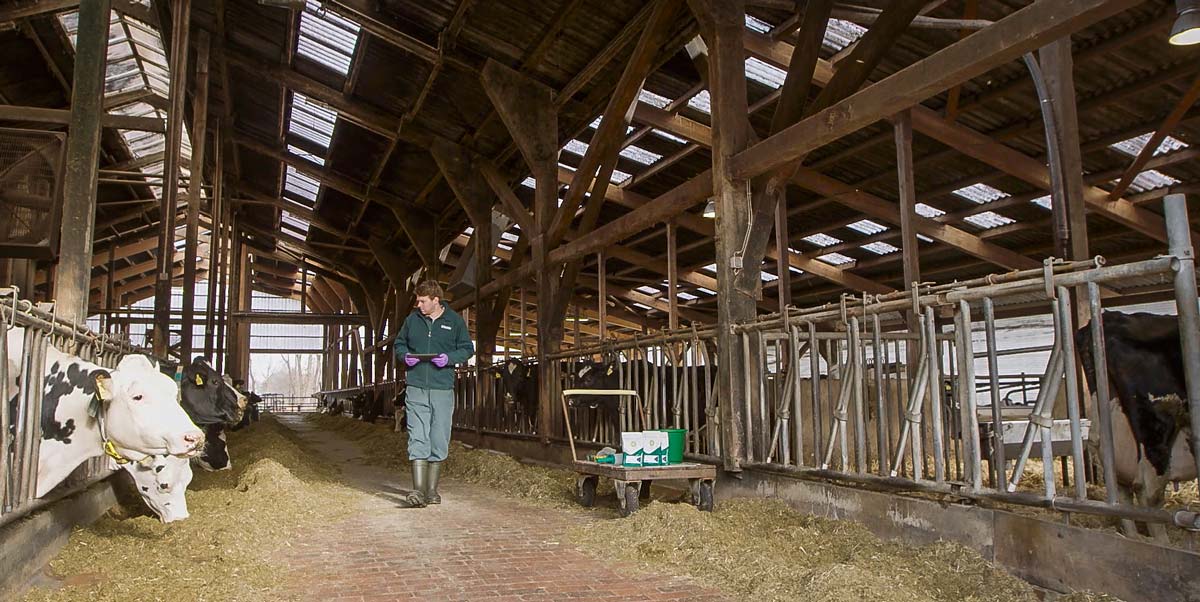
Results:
431 342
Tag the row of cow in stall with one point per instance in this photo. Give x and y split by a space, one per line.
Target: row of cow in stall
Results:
136 414
1151 429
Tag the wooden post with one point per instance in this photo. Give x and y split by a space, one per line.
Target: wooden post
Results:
181 11
72 284
672 277
232 334
909 245
524 348
195 195
723 23
783 255
602 286
216 242
527 109
110 287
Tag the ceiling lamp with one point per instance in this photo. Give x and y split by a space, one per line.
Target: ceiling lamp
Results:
710 210
1186 30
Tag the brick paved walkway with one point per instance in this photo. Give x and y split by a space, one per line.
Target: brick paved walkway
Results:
477 545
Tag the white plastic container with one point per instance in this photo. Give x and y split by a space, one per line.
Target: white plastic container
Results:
633 446
654 448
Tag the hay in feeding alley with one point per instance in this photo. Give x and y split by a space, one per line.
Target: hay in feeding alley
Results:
238 517
541 485
763 550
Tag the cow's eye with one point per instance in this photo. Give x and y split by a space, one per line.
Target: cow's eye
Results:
137 397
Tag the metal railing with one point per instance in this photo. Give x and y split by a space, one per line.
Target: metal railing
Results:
296 404
33 330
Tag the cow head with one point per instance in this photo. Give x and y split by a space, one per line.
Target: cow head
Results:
512 377
162 481
208 397
141 410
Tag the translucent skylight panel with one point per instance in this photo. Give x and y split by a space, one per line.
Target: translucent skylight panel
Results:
649 290
529 183
576 147
767 276
640 155
701 102
669 136
923 238
758 25
1133 146
840 33
1151 179
619 177
767 75
867 227
299 152
835 259
651 98
989 219
686 296
822 240
293 221
327 38
311 120
642 306
509 236
712 267
1044 202
301 185
469 230
929 211
880 248
706 291
795 270
980 193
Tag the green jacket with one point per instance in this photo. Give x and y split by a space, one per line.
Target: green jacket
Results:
448 334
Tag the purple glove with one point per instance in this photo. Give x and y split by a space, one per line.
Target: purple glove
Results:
411 360
440 360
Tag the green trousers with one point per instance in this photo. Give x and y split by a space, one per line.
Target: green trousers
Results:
430 416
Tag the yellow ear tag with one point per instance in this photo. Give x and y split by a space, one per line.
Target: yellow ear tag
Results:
111 451
199 381
609 372
497 375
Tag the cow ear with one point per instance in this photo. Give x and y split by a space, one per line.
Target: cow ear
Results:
102 382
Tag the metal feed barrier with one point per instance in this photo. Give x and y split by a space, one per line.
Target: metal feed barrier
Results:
21 431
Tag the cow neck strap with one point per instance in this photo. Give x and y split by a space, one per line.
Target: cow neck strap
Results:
110 448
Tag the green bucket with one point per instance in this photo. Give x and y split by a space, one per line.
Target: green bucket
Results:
676 443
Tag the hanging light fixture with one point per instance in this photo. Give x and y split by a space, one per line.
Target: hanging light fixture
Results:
1186 30
710 210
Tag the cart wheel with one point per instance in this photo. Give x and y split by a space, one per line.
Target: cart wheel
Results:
631 500
586 491
705 499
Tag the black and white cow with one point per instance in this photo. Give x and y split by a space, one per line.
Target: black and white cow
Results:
150 435
213 403
253 411
519 383
1148 405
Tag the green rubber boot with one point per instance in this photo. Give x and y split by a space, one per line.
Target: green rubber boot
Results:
420 475
431 494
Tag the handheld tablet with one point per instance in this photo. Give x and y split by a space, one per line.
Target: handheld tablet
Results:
424 356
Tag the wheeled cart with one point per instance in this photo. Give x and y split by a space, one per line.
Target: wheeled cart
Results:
632 483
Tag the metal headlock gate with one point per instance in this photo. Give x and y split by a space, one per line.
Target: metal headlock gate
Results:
885 392
35 329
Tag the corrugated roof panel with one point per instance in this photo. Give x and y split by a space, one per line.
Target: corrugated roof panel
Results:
840 34
701 102
822 240
651 98
312 120
1133 146
299 152
302 186
989 219
768 75
668 136
980 193
867 227
880 248
327 38
293 221
835 259
755 24
649 290
930 211
1045 202
640 155
1151 179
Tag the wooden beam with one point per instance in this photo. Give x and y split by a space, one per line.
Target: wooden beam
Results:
1022 31
1168 125
910 251
63 117
34 8
509 203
